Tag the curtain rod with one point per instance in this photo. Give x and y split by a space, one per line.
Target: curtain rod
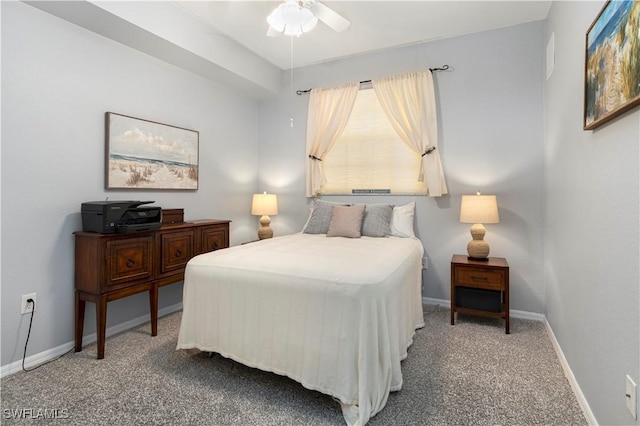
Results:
443 68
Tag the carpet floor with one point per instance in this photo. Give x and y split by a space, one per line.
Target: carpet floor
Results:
468 374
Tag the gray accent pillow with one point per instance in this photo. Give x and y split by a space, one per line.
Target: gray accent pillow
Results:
320 217
376 221
346 221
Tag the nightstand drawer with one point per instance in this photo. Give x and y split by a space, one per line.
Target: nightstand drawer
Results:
482 278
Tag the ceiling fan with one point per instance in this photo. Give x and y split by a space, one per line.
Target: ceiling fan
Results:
294 17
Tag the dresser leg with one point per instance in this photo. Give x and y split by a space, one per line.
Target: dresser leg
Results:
79 326
153 308
101 324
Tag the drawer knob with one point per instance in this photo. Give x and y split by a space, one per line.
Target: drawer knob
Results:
214 246
479 279
178 253
130 263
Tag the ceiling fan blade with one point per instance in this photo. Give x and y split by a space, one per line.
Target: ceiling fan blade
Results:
329 17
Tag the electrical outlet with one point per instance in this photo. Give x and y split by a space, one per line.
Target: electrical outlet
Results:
631 397
425 262
27 307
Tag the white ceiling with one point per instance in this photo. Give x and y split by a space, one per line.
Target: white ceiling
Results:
375 25
226 41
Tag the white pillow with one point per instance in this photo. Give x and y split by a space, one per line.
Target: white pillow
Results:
402 221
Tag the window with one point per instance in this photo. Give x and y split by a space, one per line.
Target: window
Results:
369 155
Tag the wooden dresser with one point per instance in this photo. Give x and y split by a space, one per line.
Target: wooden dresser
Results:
113 266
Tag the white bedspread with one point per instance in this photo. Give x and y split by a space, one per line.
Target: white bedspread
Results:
335 314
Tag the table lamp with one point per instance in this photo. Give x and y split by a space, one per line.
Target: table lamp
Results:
478 209
264 205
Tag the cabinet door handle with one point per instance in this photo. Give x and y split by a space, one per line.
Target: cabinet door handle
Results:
130 263
479 279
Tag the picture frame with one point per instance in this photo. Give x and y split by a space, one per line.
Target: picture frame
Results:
144 154
612 63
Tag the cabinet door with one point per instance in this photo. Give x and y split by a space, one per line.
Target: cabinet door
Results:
213 238
128 260
176 248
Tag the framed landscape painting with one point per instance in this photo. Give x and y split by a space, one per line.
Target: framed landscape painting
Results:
612 63
143 154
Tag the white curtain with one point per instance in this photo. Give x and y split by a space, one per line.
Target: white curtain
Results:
329 111
409 102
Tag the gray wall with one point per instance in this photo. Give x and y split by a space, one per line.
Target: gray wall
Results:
491 130
57 82
591 229
568 199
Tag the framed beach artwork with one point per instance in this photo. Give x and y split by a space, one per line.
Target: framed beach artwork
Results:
143 154
612 63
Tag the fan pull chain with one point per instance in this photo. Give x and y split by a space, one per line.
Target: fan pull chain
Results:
291 77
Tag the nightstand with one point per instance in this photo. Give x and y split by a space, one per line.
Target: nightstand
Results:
480 287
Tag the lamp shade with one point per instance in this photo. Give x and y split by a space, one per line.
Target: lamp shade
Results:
264 204
479 209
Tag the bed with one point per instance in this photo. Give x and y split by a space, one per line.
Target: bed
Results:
335 314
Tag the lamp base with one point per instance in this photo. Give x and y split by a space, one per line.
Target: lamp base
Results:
264 233
478 248
265 230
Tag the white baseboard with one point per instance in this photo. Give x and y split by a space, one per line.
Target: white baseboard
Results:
582 401
49 354
36 359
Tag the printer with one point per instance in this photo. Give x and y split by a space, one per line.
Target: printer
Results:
108 217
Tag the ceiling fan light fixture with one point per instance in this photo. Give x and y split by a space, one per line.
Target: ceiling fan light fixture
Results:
291 18
276 18
308 20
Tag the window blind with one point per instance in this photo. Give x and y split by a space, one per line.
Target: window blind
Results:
369 154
